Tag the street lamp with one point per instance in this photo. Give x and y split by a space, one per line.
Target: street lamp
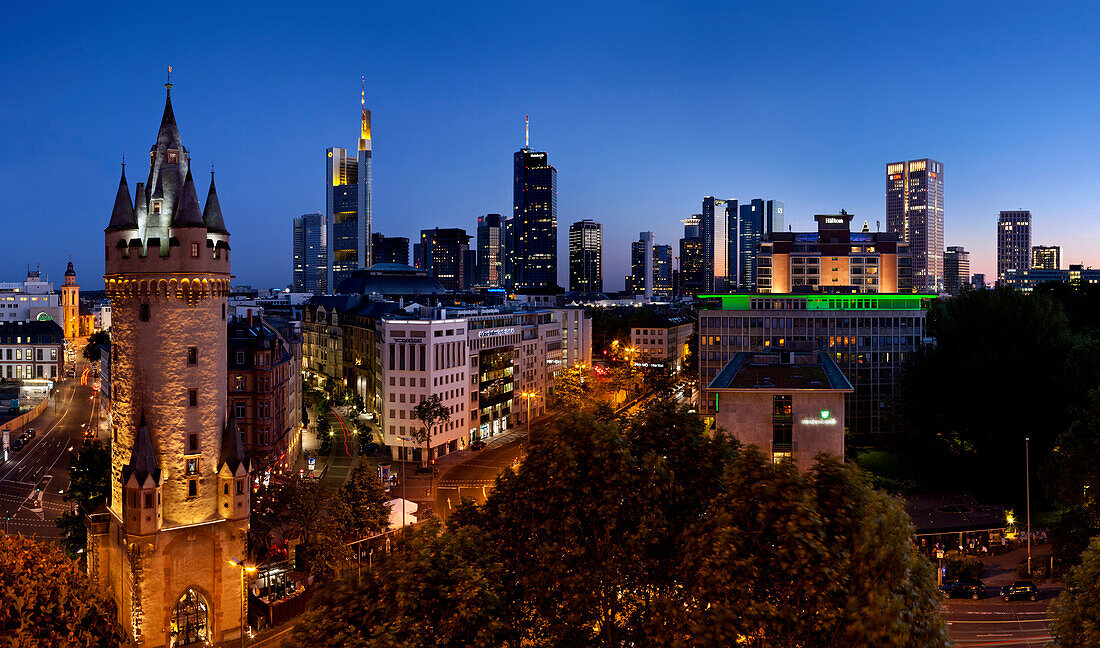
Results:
529 396
251 569
1027 471
404 459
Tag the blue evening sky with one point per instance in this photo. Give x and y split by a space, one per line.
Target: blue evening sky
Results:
643 107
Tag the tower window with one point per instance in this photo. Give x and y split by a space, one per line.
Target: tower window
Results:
192 443
173 157
148 500
155 207
191 466
143 313
192 487
194 250
192 355
192 398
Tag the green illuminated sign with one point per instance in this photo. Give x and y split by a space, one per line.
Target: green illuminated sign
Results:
825 414
765 301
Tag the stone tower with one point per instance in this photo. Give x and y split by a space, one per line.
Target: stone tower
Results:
70 304
179 505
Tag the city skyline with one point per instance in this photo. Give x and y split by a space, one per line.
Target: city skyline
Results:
817 160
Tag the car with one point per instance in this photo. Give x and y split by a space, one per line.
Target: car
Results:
964 588
18 444
1020 590
31 433
477 445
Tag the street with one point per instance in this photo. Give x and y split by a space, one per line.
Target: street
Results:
994 622
44 462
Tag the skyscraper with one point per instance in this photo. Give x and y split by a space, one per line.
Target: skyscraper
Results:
1046 257
662 270
535 220
586 256
490 251
956 269
1013 242
914 211
691 257
179 483
442 252
310 254
348 204
640 281
389 249
718 229
756 221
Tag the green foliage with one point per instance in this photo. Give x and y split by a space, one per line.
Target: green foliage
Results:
89 474
1076 612
360 508
91 349
573 389
966 567
1070 535
46 600
430 412
299 511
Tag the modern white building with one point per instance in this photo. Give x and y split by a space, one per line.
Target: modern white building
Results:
32 299
663 340
576 336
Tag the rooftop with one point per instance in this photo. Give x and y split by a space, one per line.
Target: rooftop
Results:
934 514
783 370
777 301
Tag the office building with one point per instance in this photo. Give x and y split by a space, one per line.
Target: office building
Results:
310 254
789 404
756 221
348 190
33 299
31 350
179 484
914 211
490 251
833 259
956 269
977 281
717 227
586 257
662 271
534 239
692 262
1013 242
1026 280
389 249
442 252
640 281
662 340
576 336
1046 257
869 336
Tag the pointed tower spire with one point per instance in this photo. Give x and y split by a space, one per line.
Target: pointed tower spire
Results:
212 213
189 214
364 123
143 458
122 217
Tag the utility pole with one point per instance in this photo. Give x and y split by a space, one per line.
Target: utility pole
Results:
1027 470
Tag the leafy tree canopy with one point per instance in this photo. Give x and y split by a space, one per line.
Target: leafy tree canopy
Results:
1076 612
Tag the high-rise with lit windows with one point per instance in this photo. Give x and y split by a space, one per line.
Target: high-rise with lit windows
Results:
586 256
310 253
1046 257
490 250
956 269
914 211
348 189
1013 242
718 228
534 236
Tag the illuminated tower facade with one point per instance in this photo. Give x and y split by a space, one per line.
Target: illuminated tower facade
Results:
348 205
533 239
179 500
914 211
70 304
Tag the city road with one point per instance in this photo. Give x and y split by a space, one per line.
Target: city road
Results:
44 461
994 622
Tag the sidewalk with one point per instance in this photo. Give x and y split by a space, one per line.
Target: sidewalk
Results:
1001 569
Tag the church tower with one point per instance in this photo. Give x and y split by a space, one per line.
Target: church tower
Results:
179 501
70 304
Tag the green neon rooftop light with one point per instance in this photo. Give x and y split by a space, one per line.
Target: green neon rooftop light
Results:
823 302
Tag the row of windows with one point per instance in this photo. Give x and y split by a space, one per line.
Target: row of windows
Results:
18 372
39 354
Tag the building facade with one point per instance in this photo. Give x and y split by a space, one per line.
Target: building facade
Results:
716 226
348 189
1013 242
31 299
576 336
663 340
756 221
789 404
956 269
442 252
586 257
640 281
179 502
869 336
490 251
1046 257
310 254
833 259
914 211
389 249
33 350
1026 280
692 262
533 239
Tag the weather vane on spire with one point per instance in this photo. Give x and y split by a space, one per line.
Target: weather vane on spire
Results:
527 131
168 84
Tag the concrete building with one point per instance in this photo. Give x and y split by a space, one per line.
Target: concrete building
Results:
31 299
576 336
914 212
1013 242
789 404
692 263
349 186
490 251
663 340
265 389
442 252
869 336
33 350
310 251
1046 257
389 249
834 259
956 269
179 501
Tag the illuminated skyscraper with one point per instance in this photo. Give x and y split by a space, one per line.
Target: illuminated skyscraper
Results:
756 221
534 239
586 256
691 257
914 211
310 253
389 249
1046 257
348 204
719 231
956 269
442 252
1013 242
490 251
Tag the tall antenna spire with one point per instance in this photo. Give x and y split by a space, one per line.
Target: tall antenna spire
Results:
363 93
527 131
168 83
124 160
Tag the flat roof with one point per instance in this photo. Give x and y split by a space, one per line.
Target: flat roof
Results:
781 370
936 514
891 301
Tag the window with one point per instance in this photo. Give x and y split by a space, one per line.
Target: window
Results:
239 383
192 398
192 443
173 157
192 487
240 358
192 355
191 466
194 250
148 500
155 207
240 487
143 313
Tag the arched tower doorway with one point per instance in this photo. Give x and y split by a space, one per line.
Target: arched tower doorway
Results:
190 620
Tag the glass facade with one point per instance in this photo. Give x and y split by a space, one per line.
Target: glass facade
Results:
490 251
310 255
586 256
914 211
535 221
495 391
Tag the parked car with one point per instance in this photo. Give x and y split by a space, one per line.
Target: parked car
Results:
30 433
477 445
964 588
1019 591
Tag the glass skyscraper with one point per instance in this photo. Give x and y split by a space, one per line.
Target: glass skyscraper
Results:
490 251
718 229
389 249
310 260
691 257
756 221
348 189
914 211
1013 242
586 256
534 240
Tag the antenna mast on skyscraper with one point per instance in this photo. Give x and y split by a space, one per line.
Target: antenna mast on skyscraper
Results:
363 93
527 131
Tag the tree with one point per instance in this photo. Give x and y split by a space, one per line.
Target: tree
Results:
89 475
360 508
46 600
1074 614
91 349
430 412
572 388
